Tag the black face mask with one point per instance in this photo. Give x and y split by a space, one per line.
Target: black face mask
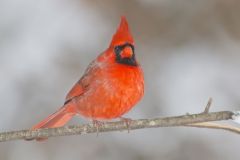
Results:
131 61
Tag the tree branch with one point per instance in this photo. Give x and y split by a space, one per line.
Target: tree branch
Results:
183 120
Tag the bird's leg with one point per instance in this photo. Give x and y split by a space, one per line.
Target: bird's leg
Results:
127 121
97 124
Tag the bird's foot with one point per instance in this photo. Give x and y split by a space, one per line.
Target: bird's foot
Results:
97 124
127 121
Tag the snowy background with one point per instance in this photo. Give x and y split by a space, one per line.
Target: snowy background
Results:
189 50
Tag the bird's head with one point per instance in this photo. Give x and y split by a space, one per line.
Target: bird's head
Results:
122 45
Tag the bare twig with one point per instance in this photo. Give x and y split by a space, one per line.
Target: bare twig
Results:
212 125
215 126
207 108
117 126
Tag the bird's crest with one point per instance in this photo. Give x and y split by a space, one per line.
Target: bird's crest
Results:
122 34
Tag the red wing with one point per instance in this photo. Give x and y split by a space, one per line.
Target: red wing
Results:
77 90
81 86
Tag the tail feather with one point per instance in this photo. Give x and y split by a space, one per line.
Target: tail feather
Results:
57 119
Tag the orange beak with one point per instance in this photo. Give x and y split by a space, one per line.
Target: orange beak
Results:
127 52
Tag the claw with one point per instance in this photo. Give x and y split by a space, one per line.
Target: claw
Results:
127 121
97 124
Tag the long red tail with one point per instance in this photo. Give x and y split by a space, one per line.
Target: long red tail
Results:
57 119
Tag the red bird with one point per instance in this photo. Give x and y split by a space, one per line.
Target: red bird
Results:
111 85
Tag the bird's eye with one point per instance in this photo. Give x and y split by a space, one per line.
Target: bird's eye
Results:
118 50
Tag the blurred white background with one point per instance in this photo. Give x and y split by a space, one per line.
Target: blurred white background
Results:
189 51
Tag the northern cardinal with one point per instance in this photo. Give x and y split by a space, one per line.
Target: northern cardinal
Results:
111 85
